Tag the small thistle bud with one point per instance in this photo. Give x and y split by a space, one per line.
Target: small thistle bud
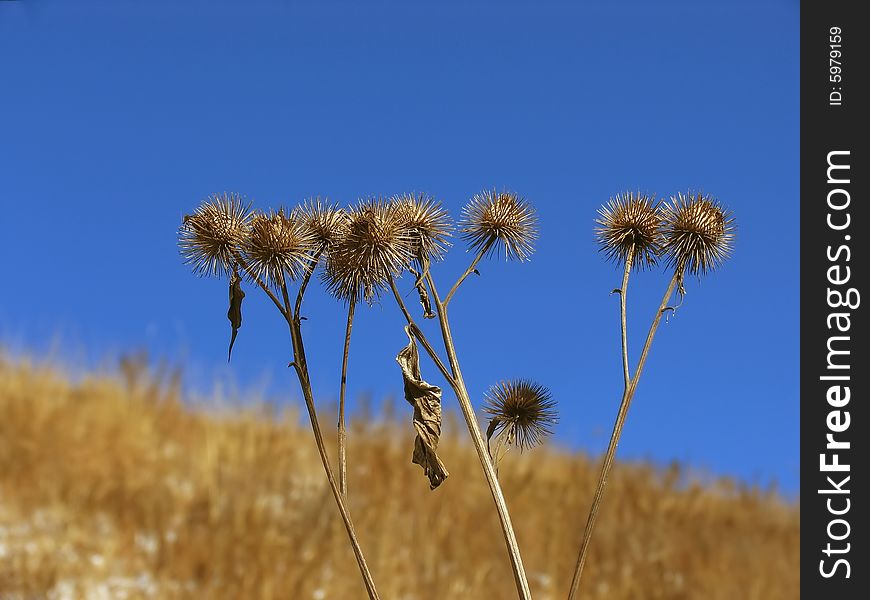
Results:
278 247
500 221
428 225
375 246
327 222
522 410
698 233
629 227
211 237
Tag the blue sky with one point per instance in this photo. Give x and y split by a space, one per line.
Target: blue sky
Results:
116 118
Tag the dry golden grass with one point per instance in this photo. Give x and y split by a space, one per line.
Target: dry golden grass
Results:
112 488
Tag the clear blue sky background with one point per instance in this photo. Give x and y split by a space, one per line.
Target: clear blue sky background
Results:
116 118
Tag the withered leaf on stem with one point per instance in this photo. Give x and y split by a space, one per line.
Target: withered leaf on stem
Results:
421 291
426 400
234 314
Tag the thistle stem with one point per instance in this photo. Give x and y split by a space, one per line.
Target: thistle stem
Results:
469 270
262 285
303 286
480 445
622 310
418 334
342 431
614 438
300 365
301 368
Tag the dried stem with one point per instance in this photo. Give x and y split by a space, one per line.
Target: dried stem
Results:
454 378
260 282
480 445
418 333
302 287
622 310
342 431
614 438
300 365
469 270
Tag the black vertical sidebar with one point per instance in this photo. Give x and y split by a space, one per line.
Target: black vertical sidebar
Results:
835 368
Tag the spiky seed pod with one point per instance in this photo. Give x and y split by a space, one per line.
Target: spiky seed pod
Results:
698 233
279 247
523 410
500 221
211 237
326 221
375 246
629 225
347 281
428 224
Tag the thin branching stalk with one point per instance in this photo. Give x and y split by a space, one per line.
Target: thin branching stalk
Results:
614 438
281 307
480 445
419 335
300 365
469 270
453 377
342 431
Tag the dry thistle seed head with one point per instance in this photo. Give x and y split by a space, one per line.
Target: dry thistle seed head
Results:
326 221
698 233
497 221
375 246
629 226
211 237
523 410
278 247
428 225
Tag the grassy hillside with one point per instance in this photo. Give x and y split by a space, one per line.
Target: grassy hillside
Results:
112 488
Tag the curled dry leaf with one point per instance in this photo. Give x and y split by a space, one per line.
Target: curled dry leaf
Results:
234 314
426 400
421 291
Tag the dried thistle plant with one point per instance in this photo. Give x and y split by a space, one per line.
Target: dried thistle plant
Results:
365 249
211 237
428 223
698 233
629 229
522 413
326 222
429 226
365 245
273 249
521 410
695 234
494 222
278 247
374 246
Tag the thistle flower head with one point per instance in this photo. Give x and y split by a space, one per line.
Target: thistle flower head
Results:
278 247
698 233
211 237
523 410
325 221
629 227
375 246
500 221
428 225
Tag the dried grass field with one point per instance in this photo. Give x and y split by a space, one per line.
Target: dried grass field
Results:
112 487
